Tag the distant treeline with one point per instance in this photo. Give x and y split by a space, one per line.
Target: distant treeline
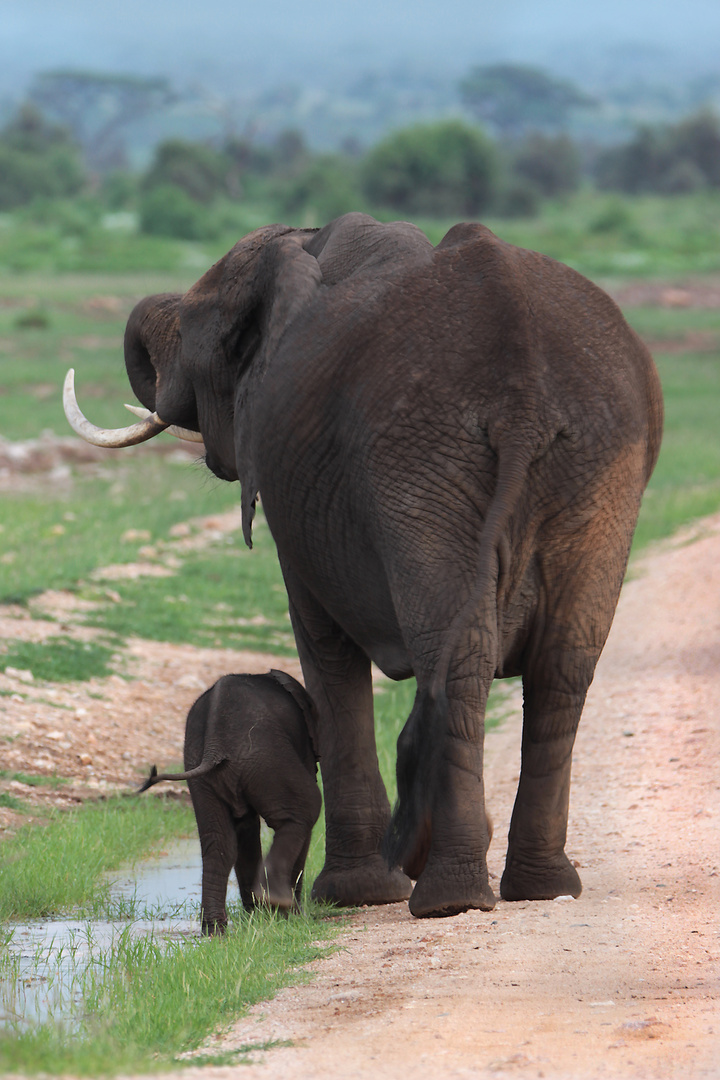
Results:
449 168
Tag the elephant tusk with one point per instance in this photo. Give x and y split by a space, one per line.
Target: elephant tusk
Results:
109 437
179 432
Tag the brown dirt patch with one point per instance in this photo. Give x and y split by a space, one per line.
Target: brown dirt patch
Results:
687 293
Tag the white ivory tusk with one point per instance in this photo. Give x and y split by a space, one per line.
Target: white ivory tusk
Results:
179 432
111 437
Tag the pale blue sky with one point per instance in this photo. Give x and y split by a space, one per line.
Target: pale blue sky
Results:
245 39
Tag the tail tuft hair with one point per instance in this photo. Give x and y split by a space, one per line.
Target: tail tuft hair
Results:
419 761
151 780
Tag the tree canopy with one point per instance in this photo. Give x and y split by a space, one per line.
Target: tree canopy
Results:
515 97
97 107
443 168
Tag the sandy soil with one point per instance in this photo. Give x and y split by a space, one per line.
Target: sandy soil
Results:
619 983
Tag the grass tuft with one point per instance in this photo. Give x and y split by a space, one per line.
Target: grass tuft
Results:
59 659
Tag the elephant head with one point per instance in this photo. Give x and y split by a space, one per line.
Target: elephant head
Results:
194 358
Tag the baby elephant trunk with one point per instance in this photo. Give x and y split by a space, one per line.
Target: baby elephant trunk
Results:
205 766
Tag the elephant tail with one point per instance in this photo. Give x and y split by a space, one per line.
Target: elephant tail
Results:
420 746
205 766
407 839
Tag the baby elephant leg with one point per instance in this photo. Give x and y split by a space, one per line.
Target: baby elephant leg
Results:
277 883
219 853
249 856
291 811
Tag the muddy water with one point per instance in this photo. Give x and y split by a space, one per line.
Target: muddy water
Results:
44 964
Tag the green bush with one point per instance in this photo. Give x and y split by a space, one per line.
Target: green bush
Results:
324 190
445 168
551 163
195 169
166 210
36 159
518 198
669 158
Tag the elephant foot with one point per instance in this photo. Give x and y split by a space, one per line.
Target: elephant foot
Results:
530 881
437 896
210 927
366 882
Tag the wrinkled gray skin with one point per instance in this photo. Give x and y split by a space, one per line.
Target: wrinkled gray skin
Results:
451 444
249 755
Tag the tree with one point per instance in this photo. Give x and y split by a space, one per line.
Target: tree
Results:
198 170
37 159
670 158
97 108
444 168
550 163
513 98
324 190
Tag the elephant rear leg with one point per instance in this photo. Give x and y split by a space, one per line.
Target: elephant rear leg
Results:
536 866
450 860
277 880
291 812
249 856
218 844
557 674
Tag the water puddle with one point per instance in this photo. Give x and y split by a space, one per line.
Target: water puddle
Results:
46 963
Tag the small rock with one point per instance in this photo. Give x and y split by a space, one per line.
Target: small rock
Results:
190 682
85 759
21 674
132 536
563 899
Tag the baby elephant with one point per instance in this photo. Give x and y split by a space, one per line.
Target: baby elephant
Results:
249 754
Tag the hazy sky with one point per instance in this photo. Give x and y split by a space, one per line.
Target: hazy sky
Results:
270 38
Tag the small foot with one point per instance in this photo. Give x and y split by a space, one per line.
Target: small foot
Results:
211 927
526 881
364 882
437 898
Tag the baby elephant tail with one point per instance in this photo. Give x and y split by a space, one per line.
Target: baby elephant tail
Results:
155 777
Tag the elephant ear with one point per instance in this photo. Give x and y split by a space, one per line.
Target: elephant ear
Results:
304 703
296 276
282 284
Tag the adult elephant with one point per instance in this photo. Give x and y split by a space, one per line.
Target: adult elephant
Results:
451 444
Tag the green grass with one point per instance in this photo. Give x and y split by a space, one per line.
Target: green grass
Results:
59 659
598 233
146 1001
686 481
31 780
95 520
60 866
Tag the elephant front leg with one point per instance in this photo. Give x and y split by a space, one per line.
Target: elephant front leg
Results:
357 810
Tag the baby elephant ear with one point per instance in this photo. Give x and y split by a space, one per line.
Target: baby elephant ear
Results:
303 701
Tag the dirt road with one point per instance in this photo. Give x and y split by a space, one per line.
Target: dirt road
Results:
622 982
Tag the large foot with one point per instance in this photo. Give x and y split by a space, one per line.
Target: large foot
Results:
524 880
439 895
367 881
